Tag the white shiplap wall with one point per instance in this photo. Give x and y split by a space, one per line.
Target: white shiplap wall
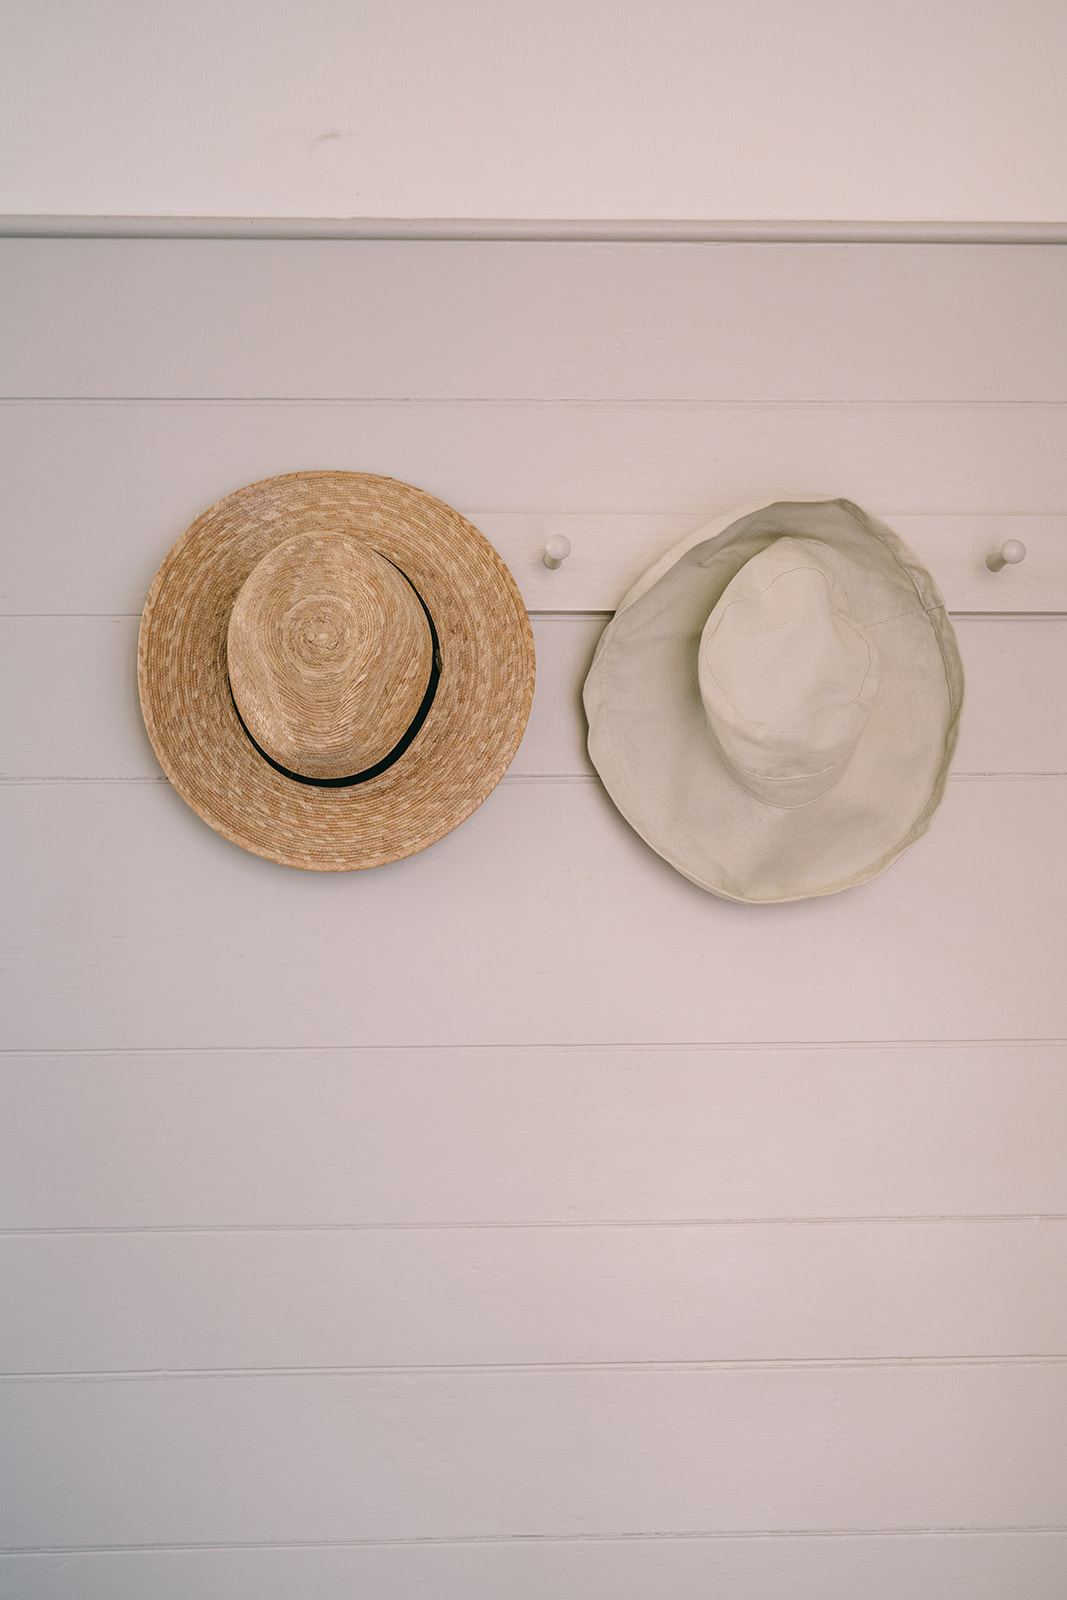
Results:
517 1219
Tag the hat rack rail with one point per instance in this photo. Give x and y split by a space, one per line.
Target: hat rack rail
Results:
983 563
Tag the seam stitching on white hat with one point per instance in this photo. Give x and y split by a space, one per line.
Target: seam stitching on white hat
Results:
795 777
883 622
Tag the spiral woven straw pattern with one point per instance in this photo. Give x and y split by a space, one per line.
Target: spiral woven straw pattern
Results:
329 654
469 735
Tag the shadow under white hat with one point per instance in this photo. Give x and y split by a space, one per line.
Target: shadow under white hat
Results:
775 706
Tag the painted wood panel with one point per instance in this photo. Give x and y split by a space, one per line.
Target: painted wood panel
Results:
75 713
542 919
472 1297
97 494
981 1566
387 319
523 1452
444 1137
668 1300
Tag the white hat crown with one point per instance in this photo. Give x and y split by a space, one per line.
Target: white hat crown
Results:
786 675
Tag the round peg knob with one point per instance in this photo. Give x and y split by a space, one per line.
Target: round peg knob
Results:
557 549
1010 554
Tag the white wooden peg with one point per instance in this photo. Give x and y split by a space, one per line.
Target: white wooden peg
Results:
557 549
1010 554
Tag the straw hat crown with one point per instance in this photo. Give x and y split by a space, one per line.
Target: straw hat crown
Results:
329 653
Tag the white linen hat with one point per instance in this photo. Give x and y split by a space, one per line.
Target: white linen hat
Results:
774 707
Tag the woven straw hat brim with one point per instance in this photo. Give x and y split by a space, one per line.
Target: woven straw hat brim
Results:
470 733
650 742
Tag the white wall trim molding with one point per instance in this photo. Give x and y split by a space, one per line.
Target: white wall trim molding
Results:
538 229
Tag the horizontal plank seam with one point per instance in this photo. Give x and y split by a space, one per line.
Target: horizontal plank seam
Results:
509 780
948 1531
577 614
583 230
10 781
550 1047
566 614
919 1219
601 401
499 1368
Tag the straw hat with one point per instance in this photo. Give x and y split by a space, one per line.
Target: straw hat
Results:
335 669
775 705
